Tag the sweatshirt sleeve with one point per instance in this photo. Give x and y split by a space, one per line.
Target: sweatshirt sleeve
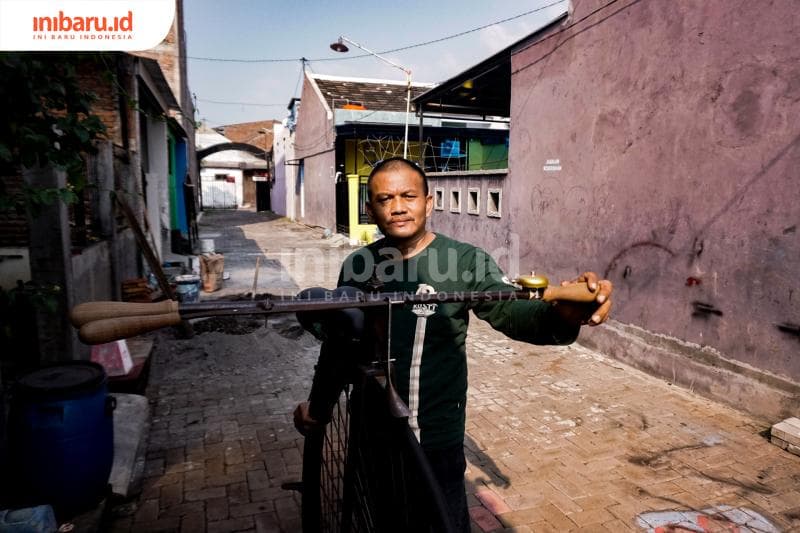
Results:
532 321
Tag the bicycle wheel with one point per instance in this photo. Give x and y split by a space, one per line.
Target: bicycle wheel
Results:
367 472
389 485
324 463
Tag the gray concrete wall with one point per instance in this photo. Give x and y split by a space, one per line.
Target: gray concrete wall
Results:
92 273
674 127
127 258
314 142
51 267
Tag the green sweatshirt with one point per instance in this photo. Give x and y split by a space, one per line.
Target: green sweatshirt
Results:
428 341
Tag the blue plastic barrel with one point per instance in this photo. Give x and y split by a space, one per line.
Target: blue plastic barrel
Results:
38 519
62 436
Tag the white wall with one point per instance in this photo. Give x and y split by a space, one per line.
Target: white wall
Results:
13 268
157 194
283 193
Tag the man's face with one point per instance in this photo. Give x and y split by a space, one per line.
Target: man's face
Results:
398 203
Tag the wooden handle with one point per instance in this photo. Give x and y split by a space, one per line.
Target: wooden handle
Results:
112 329
577 292
91 311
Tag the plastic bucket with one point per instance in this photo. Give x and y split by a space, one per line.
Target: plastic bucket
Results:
187 288
207 246
62 436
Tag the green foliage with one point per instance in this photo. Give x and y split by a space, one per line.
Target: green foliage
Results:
48 120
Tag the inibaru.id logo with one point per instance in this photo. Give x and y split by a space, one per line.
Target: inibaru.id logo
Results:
62 22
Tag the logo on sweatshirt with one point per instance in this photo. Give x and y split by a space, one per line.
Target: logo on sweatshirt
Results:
427 309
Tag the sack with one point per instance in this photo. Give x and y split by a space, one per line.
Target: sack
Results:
211 269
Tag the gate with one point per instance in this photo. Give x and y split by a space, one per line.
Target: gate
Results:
219 192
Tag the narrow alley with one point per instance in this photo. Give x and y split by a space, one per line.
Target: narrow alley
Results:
559 438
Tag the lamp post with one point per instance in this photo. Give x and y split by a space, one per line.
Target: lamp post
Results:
339 46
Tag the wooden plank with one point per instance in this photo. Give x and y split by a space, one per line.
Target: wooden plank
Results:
144 246
152 261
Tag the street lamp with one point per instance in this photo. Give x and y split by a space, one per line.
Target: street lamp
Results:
339 46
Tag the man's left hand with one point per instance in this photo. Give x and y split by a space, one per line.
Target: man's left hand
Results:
594 313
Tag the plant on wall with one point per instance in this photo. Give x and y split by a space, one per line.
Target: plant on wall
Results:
47 120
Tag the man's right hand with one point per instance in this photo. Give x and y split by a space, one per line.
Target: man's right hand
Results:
303 421
594 313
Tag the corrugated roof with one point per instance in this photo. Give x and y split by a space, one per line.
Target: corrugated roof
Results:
380 95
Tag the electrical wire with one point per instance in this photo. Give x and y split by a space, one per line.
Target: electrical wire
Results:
221 102
400 49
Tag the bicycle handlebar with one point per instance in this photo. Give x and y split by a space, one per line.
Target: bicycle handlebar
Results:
101 322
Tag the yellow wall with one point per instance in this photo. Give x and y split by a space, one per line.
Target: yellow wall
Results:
359 158
360 232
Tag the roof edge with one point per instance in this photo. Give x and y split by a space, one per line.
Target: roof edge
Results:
490 61
317 90
376 81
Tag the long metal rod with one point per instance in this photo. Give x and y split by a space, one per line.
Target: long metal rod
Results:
376 54
343 301
408 85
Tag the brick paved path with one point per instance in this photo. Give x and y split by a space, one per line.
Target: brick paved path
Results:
563 439
222 442
559 438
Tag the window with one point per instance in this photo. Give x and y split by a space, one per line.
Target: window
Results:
438 198
455 200
494 203
451 148
474 201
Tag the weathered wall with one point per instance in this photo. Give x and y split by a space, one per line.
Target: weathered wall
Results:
490 233
89 282
675 128
171 57
279 198
314 141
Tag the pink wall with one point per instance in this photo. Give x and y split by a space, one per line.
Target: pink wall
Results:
676 128
314 141
491 234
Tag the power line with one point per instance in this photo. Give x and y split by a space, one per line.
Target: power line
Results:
509 19
417 45
238 103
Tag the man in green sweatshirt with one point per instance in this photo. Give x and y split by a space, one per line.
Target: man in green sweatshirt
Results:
429 341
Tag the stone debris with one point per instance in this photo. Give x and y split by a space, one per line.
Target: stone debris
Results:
786 435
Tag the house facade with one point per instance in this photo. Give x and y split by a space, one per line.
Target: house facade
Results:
257 183
349 124
230 177
87 248
180 195
284 192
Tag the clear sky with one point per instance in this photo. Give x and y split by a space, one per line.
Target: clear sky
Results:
253 29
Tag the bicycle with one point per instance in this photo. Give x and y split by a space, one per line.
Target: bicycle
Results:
346 485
